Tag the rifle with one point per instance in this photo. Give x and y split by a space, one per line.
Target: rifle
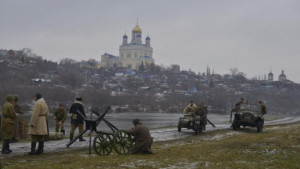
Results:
210 123
47 136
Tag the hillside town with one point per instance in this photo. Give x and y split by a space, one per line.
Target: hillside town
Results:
144 88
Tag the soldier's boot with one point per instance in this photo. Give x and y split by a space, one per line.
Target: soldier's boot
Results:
32 150
63 131
81 139
40 149
71 136
5 147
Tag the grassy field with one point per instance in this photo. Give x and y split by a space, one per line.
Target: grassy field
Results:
276 147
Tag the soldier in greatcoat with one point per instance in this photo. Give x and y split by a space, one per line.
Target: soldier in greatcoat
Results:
38 124
142 138
17 108
7 124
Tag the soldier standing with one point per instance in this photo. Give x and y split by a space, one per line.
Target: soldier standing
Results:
16 125
76 118
202 111
60 115
7 125
263 107
237 105
236 109
142 138
38 124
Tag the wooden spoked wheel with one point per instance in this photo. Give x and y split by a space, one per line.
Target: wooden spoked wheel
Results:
102 144
123 142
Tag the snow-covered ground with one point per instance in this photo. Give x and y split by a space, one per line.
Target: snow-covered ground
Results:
162 134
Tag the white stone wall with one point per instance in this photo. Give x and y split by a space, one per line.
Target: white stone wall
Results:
133 55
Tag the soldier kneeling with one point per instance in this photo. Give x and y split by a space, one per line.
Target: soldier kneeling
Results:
142 138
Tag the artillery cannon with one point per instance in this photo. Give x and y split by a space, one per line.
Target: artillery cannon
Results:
104 142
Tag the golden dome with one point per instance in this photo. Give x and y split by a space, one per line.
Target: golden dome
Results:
137 29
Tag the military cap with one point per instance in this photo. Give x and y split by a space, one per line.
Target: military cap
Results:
10 97
16 98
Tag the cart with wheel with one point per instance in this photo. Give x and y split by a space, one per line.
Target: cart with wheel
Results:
104 142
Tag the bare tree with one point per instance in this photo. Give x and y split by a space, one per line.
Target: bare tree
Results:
234 71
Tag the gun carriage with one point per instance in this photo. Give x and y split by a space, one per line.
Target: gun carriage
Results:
104 142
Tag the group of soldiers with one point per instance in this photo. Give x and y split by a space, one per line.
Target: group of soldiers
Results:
38 123
241 101
37 126
10 122
38 129
197 110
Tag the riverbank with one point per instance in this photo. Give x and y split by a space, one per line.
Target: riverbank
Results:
276 147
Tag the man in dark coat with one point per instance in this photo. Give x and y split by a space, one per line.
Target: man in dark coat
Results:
7 125
76 118
142 138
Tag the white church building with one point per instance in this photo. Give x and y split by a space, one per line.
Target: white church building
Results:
131 55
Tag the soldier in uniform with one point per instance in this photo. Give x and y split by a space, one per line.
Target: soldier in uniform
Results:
60 115
190 108
202 112
7 125
263 107
38 124
142 138
16 125
76 118
236 109
237 105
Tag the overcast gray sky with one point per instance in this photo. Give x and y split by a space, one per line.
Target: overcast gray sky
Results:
252 35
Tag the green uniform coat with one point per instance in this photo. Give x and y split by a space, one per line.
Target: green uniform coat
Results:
38 123
60 114
263 109
8 116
